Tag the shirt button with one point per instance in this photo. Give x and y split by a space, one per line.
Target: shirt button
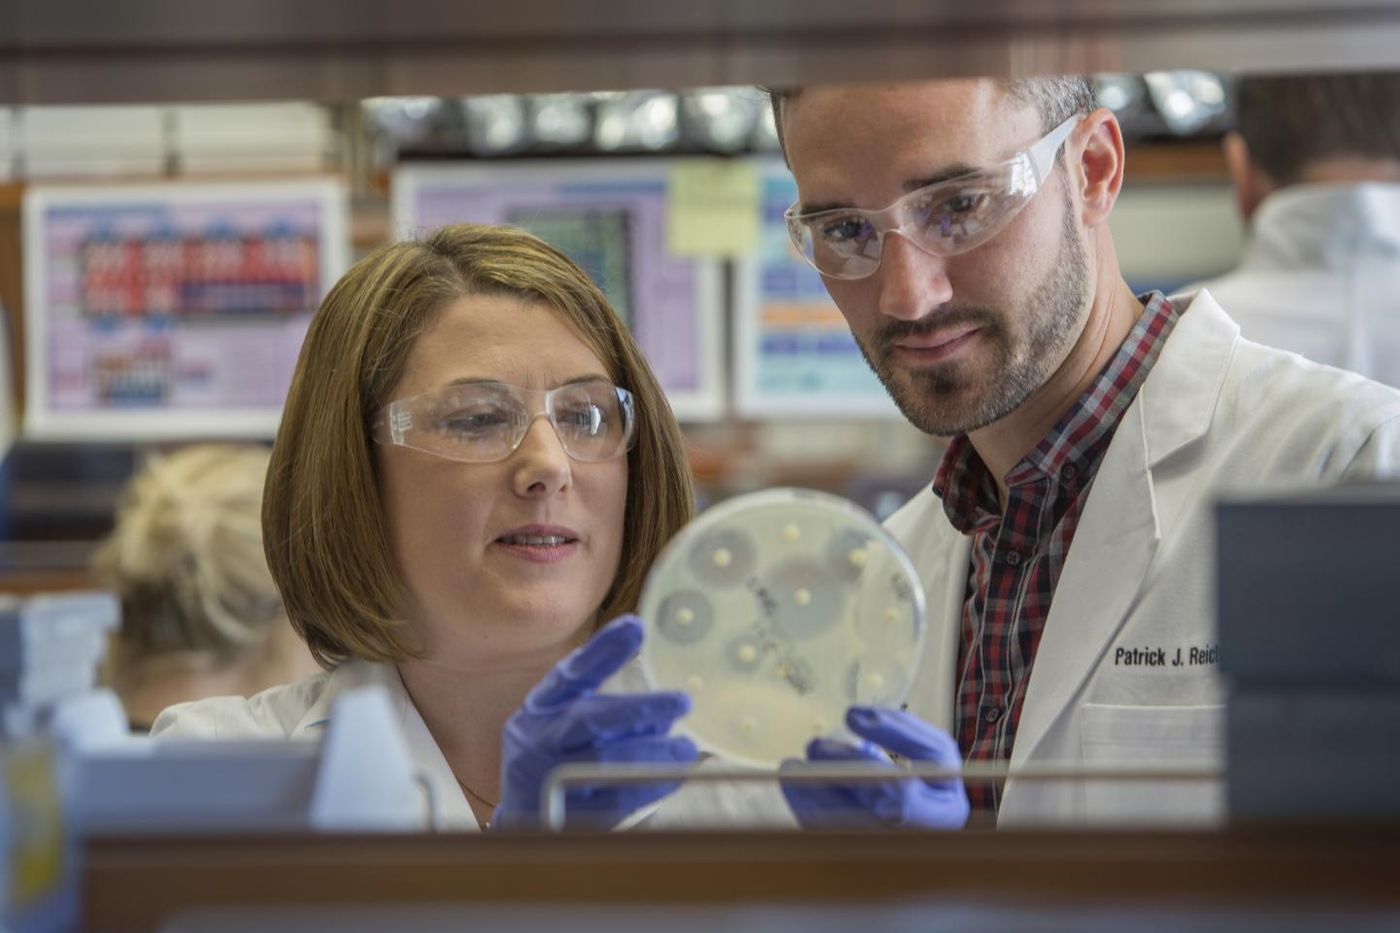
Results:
1013 558
991 713
1068 471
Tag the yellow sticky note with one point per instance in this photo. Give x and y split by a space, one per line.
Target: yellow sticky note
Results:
713 208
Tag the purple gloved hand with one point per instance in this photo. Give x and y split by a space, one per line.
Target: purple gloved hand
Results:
908 802
564 720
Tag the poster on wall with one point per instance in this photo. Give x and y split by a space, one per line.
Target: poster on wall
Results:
172 311
794 354
610 217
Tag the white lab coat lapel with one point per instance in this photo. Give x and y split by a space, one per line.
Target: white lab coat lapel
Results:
1120 527
348 676
1113 546
448 805
444 799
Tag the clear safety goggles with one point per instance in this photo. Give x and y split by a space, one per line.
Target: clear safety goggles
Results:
942 219
484 422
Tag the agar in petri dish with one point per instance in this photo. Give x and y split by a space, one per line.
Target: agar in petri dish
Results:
776 611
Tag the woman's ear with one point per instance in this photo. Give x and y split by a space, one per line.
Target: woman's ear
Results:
1101 164
1252 184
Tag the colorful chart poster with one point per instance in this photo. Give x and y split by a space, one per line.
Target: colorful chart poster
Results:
794 354
172 311
610 217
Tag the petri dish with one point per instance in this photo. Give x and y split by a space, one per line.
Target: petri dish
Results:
776 611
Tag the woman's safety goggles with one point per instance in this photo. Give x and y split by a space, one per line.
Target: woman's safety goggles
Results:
483 422
942 219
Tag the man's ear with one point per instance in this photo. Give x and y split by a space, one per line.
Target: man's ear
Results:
1252 184
1101 162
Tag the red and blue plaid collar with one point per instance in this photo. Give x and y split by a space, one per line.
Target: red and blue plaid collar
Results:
1069 455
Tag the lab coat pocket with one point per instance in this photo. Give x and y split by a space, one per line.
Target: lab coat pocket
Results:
1144 737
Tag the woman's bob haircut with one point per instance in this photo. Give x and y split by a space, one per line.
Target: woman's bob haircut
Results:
324 526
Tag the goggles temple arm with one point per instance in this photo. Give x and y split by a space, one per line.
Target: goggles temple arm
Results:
1042 154
400 422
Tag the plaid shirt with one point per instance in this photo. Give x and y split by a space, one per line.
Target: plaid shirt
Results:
1017 555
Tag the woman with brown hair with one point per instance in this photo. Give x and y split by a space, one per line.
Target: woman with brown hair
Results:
474 472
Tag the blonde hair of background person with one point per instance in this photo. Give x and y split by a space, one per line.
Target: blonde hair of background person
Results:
324 524
200 614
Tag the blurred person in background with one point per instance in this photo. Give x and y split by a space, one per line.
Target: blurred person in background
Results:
200 614
1315 162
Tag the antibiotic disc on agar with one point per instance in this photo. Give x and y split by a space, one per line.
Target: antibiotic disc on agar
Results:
776 611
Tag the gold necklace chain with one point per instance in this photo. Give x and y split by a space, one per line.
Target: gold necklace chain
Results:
474 795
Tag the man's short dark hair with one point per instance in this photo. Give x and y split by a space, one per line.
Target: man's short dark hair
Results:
1055 98
1291 122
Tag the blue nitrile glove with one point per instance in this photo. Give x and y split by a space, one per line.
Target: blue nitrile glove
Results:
564 719
910 803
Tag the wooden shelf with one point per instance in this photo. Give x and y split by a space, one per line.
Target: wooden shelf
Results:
1186 162
71 51
136 883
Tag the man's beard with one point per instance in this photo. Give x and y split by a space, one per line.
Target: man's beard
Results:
925 396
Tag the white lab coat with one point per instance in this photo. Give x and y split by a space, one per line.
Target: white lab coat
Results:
1216 412
1321 277
301 710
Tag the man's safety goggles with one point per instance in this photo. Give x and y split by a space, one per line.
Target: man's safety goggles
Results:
943 219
